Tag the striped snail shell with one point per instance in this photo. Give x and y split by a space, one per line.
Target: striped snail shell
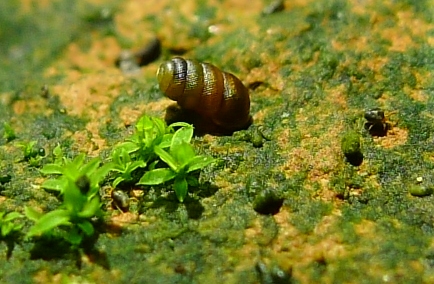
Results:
216 96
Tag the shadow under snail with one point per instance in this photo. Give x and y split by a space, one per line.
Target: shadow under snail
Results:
218 99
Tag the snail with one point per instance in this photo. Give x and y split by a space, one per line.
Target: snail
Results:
376 122
375 116
121 200
218 98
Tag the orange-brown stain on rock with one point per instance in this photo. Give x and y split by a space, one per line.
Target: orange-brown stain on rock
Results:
293 249
33 106
320 142
130 115
395 137
401 35
89 96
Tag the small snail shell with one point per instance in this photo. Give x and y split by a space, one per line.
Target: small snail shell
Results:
214 95
120 200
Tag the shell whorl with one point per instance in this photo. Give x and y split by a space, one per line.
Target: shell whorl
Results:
206 90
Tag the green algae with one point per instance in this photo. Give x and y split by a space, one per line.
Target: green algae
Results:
203 239
41 37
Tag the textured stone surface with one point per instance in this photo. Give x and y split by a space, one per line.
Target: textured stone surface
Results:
313 69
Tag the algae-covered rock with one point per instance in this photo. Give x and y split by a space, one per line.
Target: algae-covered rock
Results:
267 202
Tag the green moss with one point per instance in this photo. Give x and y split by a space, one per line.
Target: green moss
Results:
350 143
205 15
307 213
43 34
384 231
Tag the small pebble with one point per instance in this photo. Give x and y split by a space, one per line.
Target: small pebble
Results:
420 190
149 53
130 62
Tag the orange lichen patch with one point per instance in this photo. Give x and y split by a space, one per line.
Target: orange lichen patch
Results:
224 186
98 142
288 235
283 139
259 116
395 137
399 41
82 142
325 192
328 249
89 95
118 222
336 97
408 23
374 63
238 10
327 222
295 249
317 152
429 156
268 74
173 33
290 4
354 43
136 193
311 121
322 167
129 116
423 79
31 106
253 7
401 34
384 100
253 231
365 228
124 219
361 7
43 276
430 40
298 159
325 160
320 145
249 253
129 21
27 6
95 2
417 95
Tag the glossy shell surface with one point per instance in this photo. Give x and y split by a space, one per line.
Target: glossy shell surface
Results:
206 90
